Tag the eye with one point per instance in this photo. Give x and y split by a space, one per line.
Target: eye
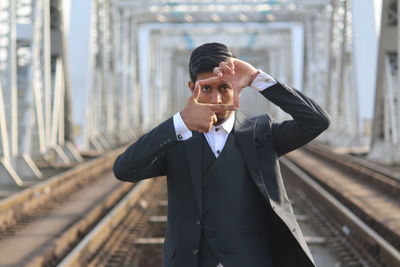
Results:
205 88
225 87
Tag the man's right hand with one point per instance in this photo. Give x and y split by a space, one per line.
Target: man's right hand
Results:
200 117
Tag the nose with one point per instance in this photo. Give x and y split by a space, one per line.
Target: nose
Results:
216 98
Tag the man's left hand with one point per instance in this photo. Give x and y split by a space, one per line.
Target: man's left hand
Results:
240 73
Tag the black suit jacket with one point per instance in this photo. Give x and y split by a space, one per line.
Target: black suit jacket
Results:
261 141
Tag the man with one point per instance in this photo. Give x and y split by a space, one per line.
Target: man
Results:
227 205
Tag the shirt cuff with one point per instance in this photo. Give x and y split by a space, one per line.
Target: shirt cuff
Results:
181 130
262 81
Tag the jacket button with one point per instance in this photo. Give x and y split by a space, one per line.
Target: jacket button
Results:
195 251
198 221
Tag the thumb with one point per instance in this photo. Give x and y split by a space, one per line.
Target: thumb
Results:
214 118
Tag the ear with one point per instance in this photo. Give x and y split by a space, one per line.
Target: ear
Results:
191 85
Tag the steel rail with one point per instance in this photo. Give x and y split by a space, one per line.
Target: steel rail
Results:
93 240
346 159
30 200
366 172
386 254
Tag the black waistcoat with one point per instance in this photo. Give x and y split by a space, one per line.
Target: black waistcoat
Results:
235 212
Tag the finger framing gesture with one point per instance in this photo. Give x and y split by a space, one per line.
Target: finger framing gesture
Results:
239 73
201 116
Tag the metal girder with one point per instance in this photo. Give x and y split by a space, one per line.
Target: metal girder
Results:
385 141
220 11
104 74
143 56
129 70
136 85
226 4
330 71
35 87
155 42
275 41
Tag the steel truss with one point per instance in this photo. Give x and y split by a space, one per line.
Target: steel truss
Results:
115 94
330 74
34 102
107 104
328 64
385 142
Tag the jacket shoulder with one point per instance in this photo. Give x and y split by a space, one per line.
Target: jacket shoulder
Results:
263 124
263 120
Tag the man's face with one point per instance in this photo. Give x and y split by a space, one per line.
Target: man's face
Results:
215 93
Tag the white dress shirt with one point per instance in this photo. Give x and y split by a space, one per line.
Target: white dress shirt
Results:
218 135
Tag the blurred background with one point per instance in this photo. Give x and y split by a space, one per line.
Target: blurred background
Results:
81 78
85 75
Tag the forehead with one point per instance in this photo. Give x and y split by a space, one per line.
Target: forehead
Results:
209 74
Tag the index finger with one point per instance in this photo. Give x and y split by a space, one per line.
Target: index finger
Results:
221 107
212 79
230 63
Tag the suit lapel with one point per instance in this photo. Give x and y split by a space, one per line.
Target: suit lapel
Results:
194 150
245 135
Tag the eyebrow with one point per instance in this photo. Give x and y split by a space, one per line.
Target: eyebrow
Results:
225 84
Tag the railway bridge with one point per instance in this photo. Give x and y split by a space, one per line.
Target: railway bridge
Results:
81 80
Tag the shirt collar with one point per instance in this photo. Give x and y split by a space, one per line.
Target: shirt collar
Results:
227 125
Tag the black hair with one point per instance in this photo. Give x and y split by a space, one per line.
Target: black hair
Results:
206 57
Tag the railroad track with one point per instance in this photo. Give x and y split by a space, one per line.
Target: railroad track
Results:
130 235
363 203
363 170
134 231
40 224
131 231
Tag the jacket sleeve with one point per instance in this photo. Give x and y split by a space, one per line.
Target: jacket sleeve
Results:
146 157
309 119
